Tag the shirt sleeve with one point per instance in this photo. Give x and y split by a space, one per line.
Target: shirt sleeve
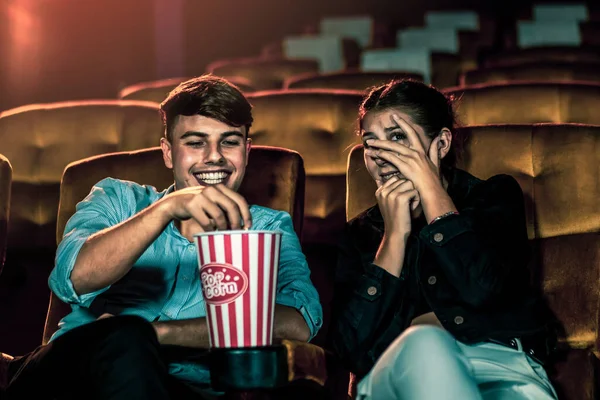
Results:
294 287
487 243
101 209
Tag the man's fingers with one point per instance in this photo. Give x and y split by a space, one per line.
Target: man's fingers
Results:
243 207
205 214
215 213
228 205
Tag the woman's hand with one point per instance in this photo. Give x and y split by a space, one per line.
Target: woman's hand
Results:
414 163
396 198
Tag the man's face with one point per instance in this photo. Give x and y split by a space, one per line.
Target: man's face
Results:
204 151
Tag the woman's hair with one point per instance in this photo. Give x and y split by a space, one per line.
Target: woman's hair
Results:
209 96
427 107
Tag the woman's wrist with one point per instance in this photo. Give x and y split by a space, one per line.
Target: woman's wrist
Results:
390 255
442 216
436 202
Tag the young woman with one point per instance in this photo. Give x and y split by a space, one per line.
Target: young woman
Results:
433 297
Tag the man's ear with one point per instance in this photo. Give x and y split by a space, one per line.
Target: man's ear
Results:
167 151
248 148
444 143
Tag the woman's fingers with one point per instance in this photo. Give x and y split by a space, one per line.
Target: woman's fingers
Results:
411 134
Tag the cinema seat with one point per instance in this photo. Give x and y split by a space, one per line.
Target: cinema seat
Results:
40 140
534 72
527 102
350 80
321 126
263 73
157 91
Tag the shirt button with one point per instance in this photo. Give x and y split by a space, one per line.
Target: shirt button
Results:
458 320
372 291
513 343
191 248
438 237
432 280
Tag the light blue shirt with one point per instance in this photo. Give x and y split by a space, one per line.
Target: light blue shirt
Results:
164 283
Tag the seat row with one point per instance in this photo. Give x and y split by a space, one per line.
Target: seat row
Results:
40 140
555 164
256 74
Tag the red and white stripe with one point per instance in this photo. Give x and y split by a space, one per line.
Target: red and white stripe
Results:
248 320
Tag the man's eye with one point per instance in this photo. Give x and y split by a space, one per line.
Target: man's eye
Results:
195 144
231 143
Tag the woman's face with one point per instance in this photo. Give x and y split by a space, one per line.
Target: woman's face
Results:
380 125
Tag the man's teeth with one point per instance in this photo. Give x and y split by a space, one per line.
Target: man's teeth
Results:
212 178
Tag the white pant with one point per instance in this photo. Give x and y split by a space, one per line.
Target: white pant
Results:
427 363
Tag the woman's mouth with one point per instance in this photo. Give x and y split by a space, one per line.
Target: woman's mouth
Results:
212 178
388 175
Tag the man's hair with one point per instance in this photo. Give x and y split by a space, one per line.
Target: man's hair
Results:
209 96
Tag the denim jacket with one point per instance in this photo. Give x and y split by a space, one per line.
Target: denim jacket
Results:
471 269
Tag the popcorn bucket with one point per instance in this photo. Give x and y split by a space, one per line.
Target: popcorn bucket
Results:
238 274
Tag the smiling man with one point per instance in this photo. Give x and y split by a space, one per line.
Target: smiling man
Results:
128 267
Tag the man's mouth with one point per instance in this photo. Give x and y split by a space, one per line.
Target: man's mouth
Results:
212 178
388 175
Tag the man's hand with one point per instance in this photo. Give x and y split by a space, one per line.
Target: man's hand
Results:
212 207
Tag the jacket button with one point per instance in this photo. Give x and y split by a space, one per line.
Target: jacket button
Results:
432 280
372 291
458 320
438 237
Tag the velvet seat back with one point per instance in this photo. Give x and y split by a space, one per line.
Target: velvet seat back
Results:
40 140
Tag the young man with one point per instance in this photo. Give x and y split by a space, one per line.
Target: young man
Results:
128 267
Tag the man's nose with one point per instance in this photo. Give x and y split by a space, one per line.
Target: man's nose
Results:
214 155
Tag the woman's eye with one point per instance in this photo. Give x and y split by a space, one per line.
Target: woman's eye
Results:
396 137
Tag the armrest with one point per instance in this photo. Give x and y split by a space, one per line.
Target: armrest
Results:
271 367
4 361
267 367
306 361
